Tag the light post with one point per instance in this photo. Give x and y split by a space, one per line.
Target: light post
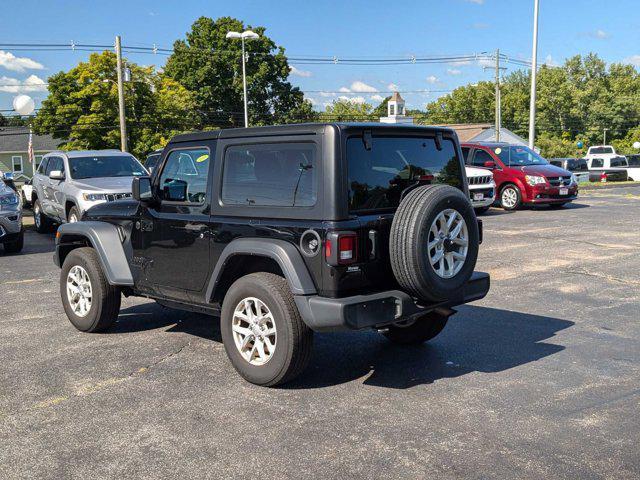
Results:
534 67
248 35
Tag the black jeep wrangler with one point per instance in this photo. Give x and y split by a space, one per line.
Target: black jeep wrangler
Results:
283 231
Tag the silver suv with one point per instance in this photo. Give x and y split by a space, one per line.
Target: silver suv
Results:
69 183
11 233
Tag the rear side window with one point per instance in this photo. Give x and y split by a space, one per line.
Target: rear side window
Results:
480 157
619 162
152 161
185 175
274 174
377 177
597 163
577 165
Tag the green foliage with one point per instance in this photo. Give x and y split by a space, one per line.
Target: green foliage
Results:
347 111
82 107
210 65
574 102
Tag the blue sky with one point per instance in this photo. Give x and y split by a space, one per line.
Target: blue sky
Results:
329 28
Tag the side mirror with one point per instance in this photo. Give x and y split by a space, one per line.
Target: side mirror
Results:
141 189
489 164
56 175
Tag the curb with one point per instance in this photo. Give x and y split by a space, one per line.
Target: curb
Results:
609 186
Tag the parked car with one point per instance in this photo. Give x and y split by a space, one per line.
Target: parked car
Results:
283 231
26 192
633 169
152 160
522 176
8 180
11 232
614 167
68 183
577 166
482 188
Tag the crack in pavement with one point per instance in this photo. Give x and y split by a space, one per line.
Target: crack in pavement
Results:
96 387
605 276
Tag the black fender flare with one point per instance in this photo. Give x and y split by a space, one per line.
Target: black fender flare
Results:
284 253
105 239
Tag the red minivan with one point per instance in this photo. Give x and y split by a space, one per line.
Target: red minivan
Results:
521 175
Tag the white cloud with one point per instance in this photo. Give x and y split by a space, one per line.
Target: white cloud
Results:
432 79
633 60
357 99
299 73
377 98
454 71
459 63
393 87
486 62
311 100
477 2
601 34
549 61
362 87
32 83
344 90
327 94
18 64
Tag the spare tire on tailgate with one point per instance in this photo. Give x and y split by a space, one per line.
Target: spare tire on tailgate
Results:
433 243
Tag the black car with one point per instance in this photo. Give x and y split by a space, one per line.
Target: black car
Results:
578 165
152 159
283 231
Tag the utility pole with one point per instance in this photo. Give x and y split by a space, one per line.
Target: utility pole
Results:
604 140
534 68
498 99
123 122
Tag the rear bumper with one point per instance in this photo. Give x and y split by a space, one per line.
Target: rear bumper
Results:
378 309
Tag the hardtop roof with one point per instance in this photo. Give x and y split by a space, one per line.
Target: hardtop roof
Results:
301 129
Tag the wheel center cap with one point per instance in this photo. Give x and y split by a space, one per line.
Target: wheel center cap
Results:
448 245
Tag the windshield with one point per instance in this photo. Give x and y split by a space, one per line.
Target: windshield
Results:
600 150
152 160
105 166
519 156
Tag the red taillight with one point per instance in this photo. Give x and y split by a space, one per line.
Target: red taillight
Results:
347 248
341 248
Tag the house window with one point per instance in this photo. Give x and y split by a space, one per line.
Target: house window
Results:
38 161
391 109
16 161
400 108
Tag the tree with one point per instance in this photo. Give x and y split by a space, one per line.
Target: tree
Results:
210 65
347 111
82 107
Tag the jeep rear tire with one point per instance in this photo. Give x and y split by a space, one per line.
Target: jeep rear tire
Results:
90 302
264 337
414 332
433 242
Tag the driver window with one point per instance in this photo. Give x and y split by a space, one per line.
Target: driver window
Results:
185 176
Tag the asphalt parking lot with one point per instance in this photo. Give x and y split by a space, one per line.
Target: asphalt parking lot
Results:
541 379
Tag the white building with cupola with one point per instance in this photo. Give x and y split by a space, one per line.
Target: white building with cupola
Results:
396 112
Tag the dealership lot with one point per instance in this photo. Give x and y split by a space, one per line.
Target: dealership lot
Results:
541 379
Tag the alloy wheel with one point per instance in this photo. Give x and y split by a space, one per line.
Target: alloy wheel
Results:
509 197
448 243
254 331
79 291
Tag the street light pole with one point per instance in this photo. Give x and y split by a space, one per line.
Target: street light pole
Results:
604 140
534 68
249 35
123 122
498 113
244 87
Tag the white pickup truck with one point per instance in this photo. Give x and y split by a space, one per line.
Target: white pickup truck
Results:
604 159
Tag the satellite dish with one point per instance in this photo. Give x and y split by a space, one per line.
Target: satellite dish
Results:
24 104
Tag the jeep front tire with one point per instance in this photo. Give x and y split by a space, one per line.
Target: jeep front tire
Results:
90 302
263 334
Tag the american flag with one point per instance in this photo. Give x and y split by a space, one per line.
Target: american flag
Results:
30 148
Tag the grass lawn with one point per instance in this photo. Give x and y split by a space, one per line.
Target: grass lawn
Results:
589 185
